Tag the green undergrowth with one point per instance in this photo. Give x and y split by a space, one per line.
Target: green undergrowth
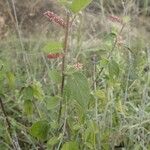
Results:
105 101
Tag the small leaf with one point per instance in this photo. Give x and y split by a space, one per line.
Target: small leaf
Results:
55 76
11 79
113 68
70 146
53 47
108 41
37 90
78 5
28 107
40 129
52 103
28 92
52 142
78 88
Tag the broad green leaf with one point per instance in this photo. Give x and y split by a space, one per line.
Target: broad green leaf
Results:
40 129
28 92
28 107
70 146
53 47
52 102
78 88
52 141
108 41
78 5
113 68
55 76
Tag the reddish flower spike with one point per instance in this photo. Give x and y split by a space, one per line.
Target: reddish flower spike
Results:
55 56
115 19
54 17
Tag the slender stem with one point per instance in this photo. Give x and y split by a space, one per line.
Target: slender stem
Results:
17 24
5 114
63 129
63 65
94 72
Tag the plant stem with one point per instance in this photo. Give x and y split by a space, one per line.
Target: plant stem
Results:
63 64
5 114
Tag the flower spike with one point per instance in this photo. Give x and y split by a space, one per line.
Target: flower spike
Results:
55 18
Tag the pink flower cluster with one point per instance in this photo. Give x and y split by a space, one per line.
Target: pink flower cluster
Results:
55 18
78 66
120 40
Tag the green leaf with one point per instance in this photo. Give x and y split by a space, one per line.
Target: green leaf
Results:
28 107
28 92
52 103
55 76
53 47
52 142
108 41
78 5
37 90
113 68
70 146
78 88
40 129
11 79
